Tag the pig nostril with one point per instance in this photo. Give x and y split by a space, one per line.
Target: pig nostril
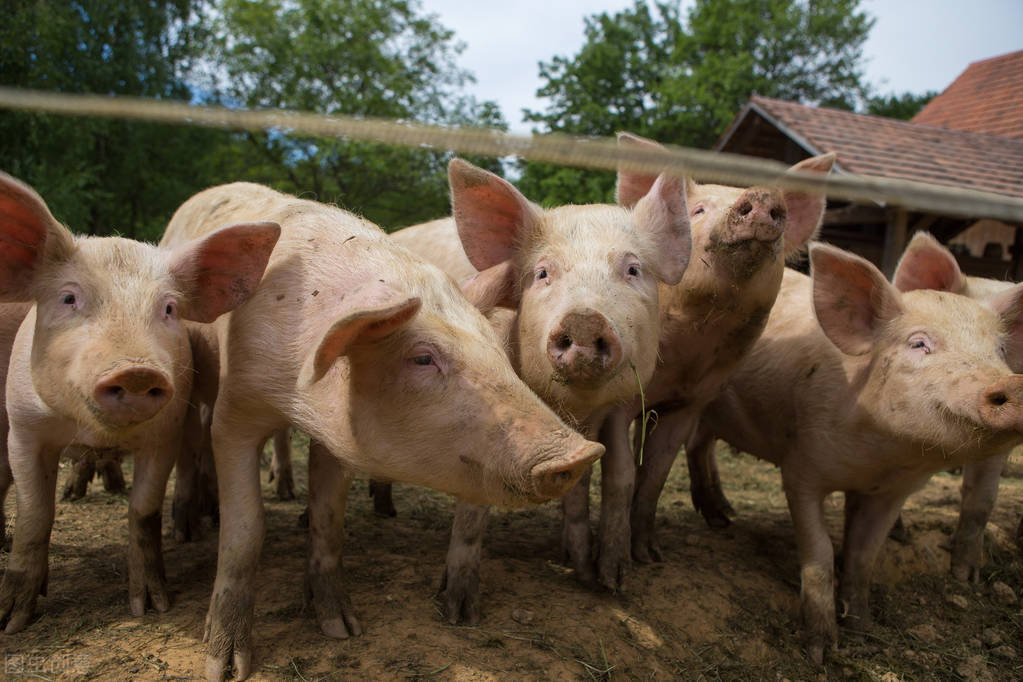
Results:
745 208
601 345
777 214
998 399
155 392
563 342
115 392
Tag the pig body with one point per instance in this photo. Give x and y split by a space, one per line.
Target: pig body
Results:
926 264
582 330
102 361
380 359
709 322
856 387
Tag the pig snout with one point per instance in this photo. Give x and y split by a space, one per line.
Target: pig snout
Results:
133 395
584 348
554 478
1001 404
757 214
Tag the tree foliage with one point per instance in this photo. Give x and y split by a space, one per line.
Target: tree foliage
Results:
648 70
376 58
99 175
902 106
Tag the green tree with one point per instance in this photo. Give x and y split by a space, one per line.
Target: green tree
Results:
377 58
646 70
904 106
103 176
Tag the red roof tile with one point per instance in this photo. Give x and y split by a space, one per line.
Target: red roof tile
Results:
986 98
874 145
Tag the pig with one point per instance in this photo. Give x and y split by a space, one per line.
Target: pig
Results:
11 317
583 330
709 322
90 463
388 367
102 360
856 387
926 264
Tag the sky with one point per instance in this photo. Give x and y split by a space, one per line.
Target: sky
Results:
915 46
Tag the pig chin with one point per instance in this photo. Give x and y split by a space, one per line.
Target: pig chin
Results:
742 256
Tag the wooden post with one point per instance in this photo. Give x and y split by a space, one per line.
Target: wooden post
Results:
894 240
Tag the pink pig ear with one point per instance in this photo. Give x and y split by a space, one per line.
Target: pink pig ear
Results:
219 272
1009 305
633 186
367 314
926 264
663 218
851 298
29 235
493 218
495 287
805 211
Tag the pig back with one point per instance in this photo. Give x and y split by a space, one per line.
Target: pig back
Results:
437 242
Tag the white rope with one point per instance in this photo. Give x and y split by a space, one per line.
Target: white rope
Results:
595 153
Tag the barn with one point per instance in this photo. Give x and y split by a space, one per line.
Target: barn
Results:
971 135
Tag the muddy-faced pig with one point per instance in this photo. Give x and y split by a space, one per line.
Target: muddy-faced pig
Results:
926 264
857 387
102 360
387 366
583 328
709 321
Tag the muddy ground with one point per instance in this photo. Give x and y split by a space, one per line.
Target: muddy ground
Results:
723 604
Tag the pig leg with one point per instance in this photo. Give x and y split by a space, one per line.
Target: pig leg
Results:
185 509
980 490
617 482
236 446
109 469
383 502
817 570
146 575
6 479
35 469
460 586
575 530
83 470
329 482
705 483
868 520
659 452
280 465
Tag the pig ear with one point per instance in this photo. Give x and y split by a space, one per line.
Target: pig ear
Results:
219 272
29 235
633 186
492 217
495 287
1009 305
367 314
851 298
805 211
926 264
663 218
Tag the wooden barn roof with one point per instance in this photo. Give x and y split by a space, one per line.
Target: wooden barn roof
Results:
986 98
874 145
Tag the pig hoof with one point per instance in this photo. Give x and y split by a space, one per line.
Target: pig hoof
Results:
966 573
815 652
646 551
899 532
334 609
18 593
460 600
716 519
285 487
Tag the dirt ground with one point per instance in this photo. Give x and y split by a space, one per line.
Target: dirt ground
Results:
722 605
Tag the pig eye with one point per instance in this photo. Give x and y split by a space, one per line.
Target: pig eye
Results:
698 210
169 310
920 343
541 273
68 299
633 271
423 360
